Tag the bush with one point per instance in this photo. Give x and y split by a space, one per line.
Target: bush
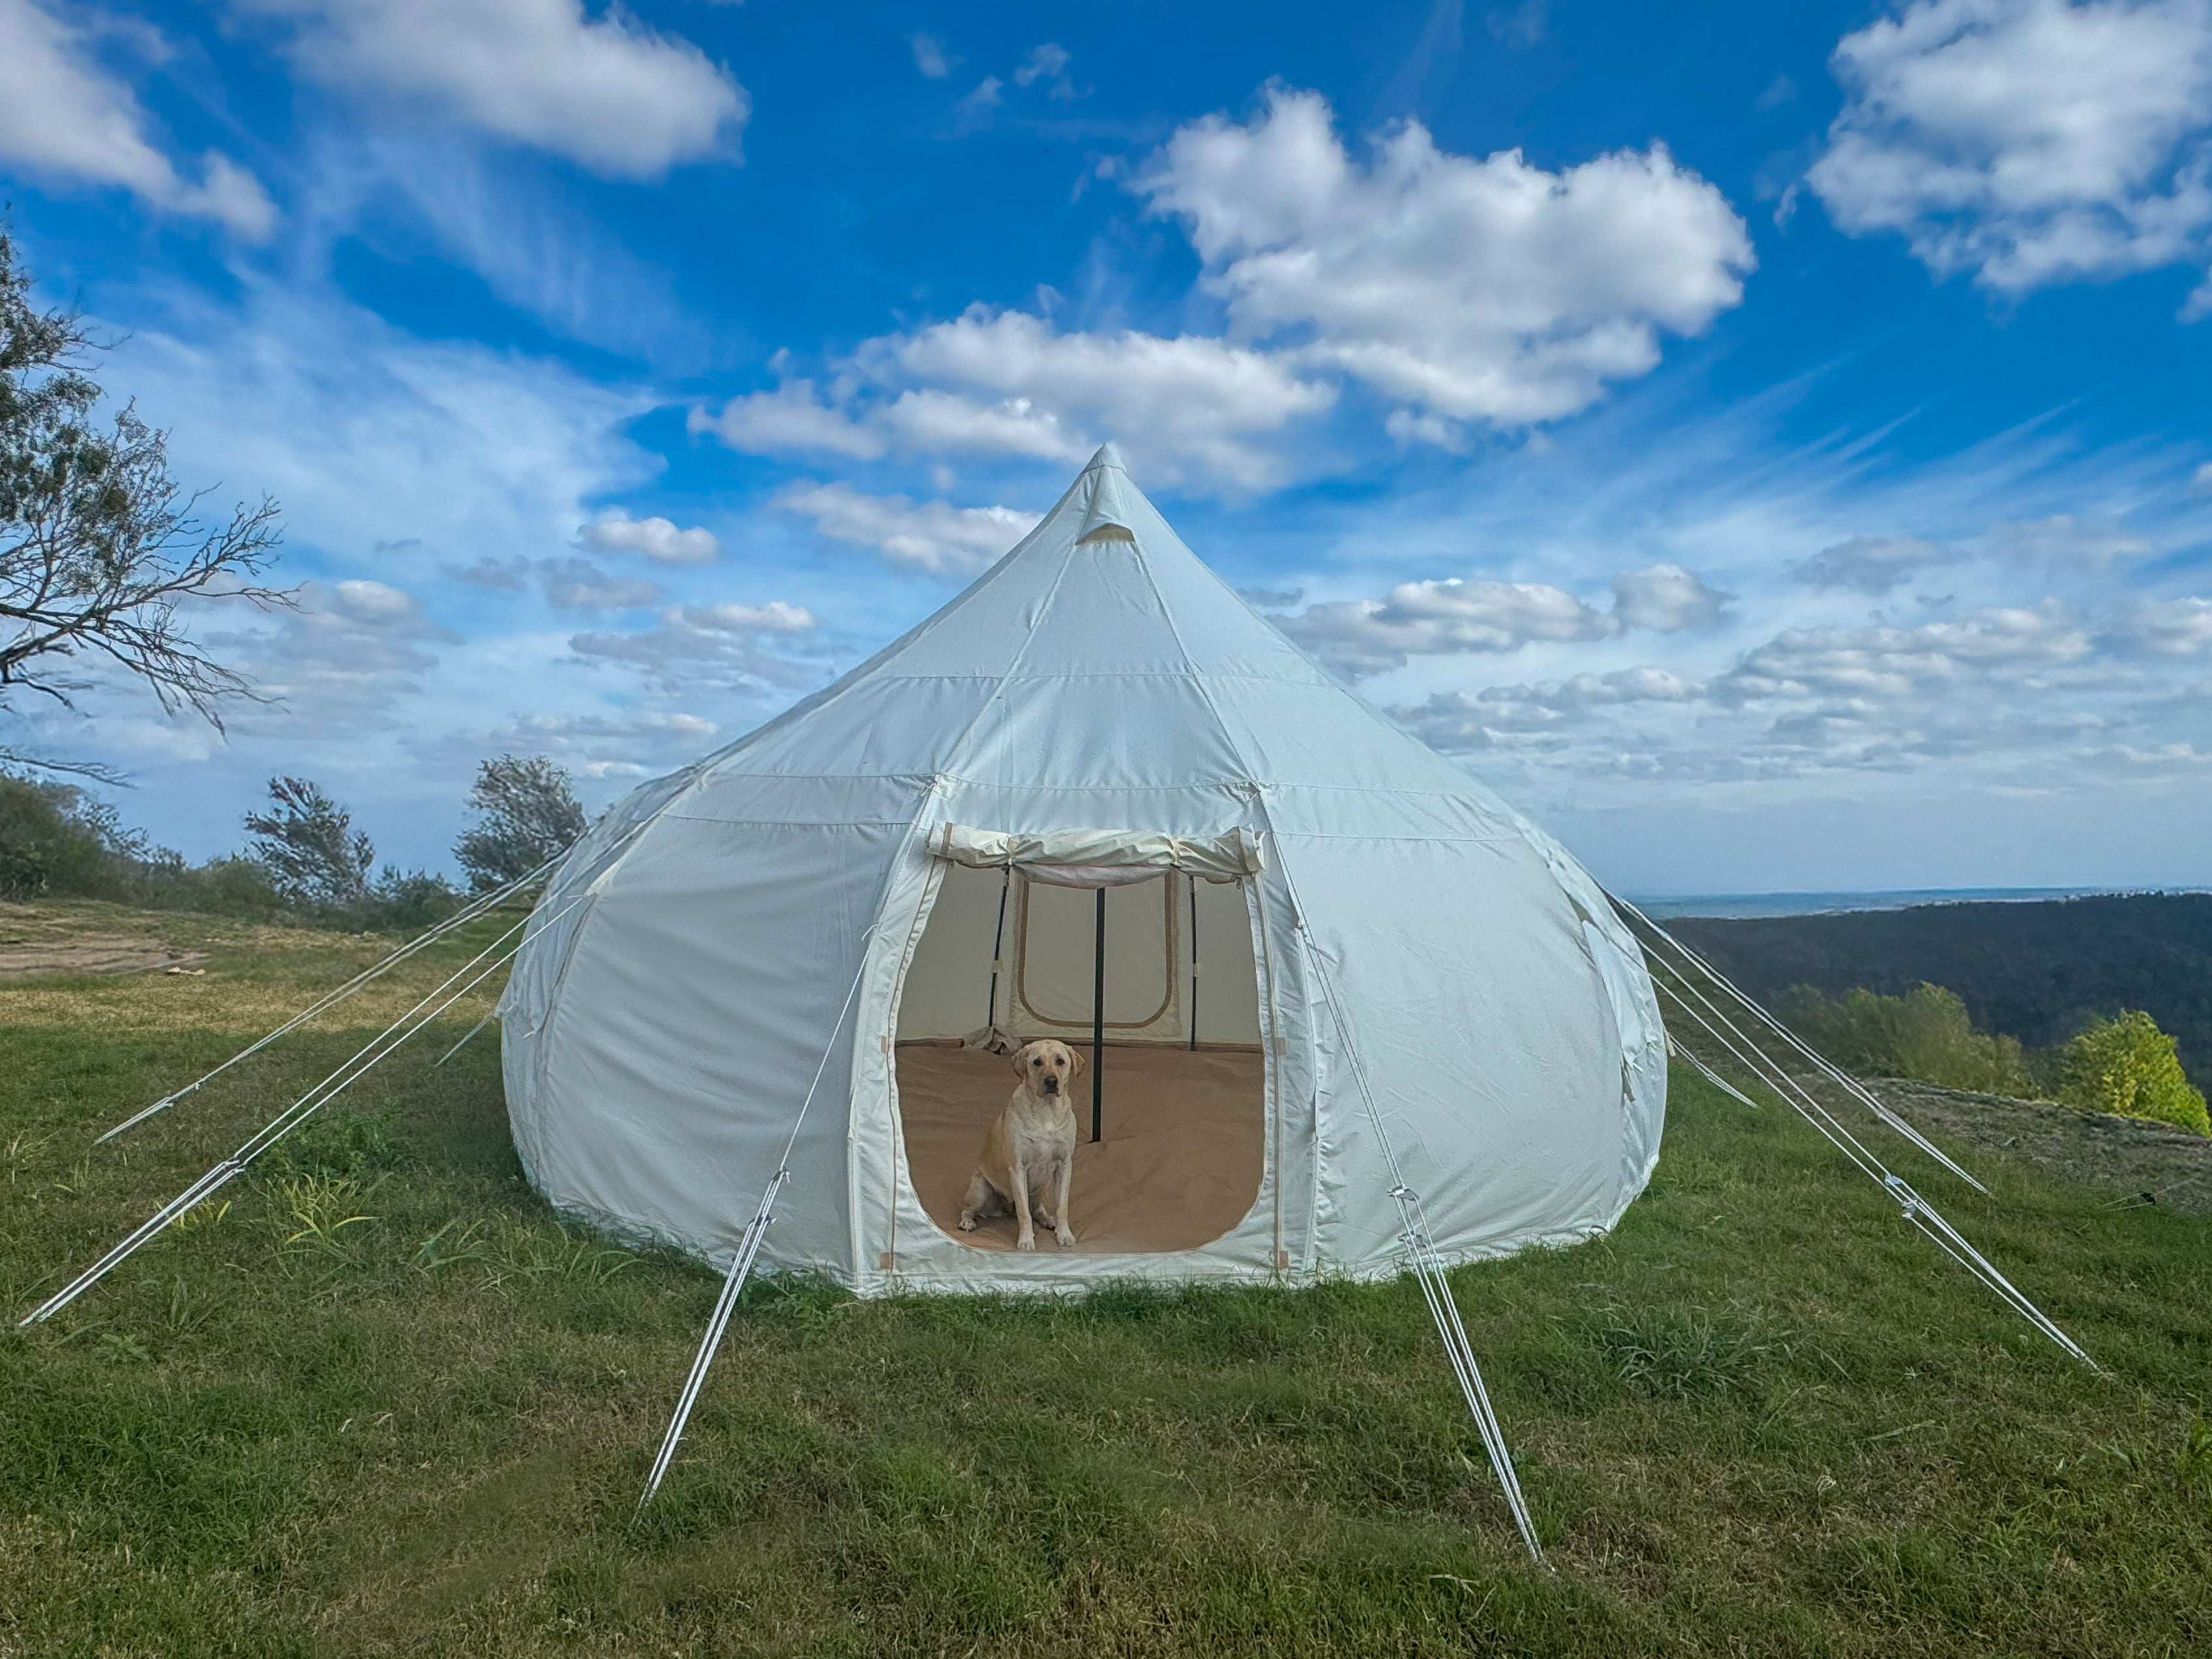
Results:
55 838
2126 1066
1925 1034
58 841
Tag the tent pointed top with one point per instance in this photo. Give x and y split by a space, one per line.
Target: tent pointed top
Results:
1107 456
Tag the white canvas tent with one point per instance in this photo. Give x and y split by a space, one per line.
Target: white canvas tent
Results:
1356 1015
1388 962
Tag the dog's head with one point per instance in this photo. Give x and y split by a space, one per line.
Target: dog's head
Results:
1046 1068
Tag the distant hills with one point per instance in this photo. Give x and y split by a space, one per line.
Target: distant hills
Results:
2035 970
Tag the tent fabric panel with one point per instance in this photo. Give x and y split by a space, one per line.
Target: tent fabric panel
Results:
1228 1008
947 991
1097 734
892 726
683 1040
1619 960
1460 978
1054 939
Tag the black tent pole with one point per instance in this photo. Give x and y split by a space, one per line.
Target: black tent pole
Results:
998 951
1098 1014
1193 964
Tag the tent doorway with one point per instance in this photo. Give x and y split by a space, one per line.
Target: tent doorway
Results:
1182 1078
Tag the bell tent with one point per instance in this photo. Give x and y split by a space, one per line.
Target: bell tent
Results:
1335 990
1348 1014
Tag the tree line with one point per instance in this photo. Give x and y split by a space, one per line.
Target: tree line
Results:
302 860
2120 1063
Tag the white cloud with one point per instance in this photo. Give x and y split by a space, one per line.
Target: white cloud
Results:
789 420
507 575
2168 627
2029 142
1665 599
1048 63
622 745
929 56
933 535
1871 564
1455 617
1426 619
1189 404
723 647
1460 721
934 423
62 117
1521 27
1879 662
2200 481
609 92
1488 290
2065 541
1462 290
349 648
1008 383
658 539
579 585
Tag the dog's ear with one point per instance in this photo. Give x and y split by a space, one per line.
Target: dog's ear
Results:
1081 1060
1021 1061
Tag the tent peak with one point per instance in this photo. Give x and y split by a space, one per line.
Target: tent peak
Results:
1107 456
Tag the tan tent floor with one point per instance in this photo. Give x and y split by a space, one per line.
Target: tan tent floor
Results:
1179 1166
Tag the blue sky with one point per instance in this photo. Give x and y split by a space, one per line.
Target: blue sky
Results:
1769 444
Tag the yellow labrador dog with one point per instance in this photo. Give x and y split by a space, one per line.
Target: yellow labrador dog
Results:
1030 1154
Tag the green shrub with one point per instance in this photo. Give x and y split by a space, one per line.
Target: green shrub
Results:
1925 1034
54 838
2128 1067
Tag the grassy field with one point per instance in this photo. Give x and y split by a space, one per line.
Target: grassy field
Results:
1762 1417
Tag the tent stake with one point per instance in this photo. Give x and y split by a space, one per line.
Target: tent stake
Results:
488 1018
1098 1016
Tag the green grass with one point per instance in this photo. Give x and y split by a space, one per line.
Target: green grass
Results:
384 1403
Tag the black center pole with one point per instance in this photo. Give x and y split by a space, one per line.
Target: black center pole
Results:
1099 1013
1193 964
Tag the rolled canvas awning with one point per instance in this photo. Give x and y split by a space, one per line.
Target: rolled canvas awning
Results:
1100 857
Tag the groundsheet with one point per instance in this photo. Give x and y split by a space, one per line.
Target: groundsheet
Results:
1179 1164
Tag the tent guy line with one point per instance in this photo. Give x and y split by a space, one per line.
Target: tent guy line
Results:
331 998
283 1124
1420 1246
741 1264
1912 1206
1849 1084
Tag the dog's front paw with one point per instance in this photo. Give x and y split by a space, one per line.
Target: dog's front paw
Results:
1026 1241
968 1223
1067 1236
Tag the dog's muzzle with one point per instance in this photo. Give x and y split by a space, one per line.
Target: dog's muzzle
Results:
1052 1085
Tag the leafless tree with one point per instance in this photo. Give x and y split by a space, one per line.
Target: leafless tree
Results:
98 545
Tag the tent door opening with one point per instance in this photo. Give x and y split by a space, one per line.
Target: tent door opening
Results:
1113 969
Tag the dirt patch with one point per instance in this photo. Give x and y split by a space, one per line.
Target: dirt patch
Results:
91 955
38 942
2128 1156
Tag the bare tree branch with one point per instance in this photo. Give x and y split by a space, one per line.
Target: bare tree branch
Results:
100 546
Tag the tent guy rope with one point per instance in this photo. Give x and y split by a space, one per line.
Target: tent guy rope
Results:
741 1264
1421 1250
459 919
1913 1209
422 1014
